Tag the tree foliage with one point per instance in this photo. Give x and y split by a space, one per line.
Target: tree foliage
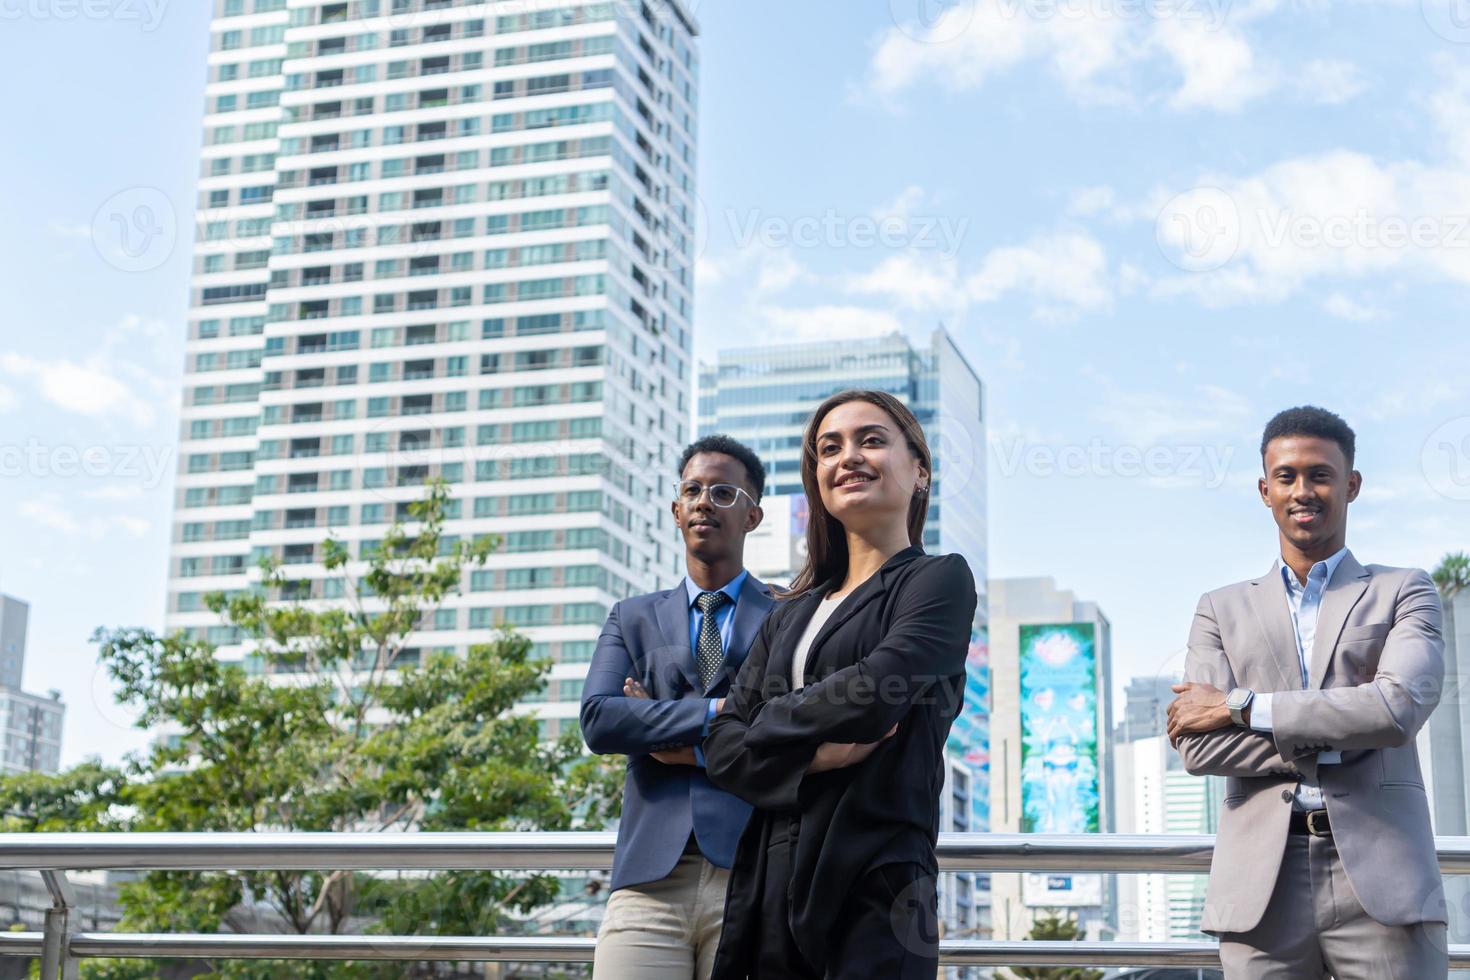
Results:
1055 927
1453 574
332 723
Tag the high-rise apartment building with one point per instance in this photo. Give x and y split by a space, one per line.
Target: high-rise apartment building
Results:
442 239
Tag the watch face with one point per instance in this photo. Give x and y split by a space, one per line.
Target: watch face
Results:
1237 698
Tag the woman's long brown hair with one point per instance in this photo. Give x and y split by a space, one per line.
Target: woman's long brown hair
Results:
826 539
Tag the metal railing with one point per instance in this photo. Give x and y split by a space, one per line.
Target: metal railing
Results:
60 946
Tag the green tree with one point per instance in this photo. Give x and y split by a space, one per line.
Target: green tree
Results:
1055 926
331 724
1453 574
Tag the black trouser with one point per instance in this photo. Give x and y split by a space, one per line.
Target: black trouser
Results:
890 923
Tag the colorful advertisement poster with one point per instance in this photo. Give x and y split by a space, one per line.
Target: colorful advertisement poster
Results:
1059 751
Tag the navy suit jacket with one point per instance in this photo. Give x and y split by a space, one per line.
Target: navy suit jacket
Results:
647 637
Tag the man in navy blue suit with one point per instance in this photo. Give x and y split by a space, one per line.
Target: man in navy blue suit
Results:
662 666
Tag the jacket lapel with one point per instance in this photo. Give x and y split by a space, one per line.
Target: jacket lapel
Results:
755 602
673 626
1348 584
1268 602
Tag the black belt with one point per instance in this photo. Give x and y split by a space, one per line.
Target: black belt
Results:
1312 822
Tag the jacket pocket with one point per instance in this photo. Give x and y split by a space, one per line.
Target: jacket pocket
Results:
1370 632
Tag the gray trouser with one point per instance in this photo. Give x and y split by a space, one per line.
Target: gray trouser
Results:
1314 926
664 930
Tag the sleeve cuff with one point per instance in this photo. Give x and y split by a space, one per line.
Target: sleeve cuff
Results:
1261 713
709 716
699 756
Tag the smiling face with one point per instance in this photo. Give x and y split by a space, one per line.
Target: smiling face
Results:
714 533
1308 486
866 472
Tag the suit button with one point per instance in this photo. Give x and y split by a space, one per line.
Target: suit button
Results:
1286 795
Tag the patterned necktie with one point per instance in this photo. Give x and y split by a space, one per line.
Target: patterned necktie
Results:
709 655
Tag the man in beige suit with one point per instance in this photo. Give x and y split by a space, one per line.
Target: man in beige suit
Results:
1304 688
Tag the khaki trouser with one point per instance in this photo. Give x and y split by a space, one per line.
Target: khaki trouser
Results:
664 930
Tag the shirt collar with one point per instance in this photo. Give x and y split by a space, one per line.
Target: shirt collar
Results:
730 588
1329 563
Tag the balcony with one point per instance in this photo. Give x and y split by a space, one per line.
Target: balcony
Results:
61 944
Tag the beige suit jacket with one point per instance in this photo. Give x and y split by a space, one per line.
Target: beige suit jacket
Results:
1375 673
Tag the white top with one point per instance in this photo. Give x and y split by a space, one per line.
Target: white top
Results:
813 627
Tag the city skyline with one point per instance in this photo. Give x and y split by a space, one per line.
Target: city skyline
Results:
1096 346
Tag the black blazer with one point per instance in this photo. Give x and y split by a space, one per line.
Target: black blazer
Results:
892 652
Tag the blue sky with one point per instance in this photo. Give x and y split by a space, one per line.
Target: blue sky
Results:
1149 225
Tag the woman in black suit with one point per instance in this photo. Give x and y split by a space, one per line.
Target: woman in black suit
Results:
835 727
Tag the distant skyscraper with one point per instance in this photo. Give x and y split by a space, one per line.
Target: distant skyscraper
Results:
1145 707
1156 796
442 239
30 724
1050 751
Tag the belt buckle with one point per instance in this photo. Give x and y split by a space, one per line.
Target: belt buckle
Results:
1312 824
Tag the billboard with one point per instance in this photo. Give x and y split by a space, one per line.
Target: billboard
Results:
1060 789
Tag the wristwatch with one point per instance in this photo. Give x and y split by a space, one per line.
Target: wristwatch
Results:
1237 701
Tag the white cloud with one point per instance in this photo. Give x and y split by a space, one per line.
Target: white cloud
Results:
968 44
1153 419
827 322
917 281
1218 67
66 228
909 200
1066 272
88 388
1345 308
49 511
8 399
1331 82
1337 215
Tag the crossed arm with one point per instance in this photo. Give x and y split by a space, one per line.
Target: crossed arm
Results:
767 739
1387 710
615 722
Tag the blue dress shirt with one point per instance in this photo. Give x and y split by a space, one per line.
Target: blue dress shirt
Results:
725 620
1304 602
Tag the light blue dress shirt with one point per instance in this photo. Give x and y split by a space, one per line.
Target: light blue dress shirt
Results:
725 619
1304 602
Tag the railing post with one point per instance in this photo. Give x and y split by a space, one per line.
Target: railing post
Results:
57 963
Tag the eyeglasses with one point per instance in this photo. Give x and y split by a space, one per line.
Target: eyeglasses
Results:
720 494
